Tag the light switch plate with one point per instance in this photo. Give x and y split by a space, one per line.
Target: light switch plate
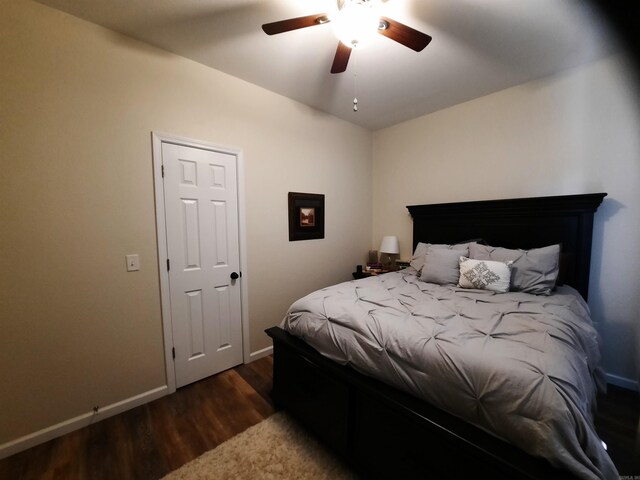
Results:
133 263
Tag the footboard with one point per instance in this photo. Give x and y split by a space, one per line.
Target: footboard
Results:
384 433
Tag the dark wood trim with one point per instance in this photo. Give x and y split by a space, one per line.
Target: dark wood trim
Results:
153 439
518 223
337 403
298 231
386 433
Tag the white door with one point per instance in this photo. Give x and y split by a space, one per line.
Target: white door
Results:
201 212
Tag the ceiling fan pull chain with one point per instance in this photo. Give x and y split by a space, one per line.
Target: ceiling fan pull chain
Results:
355 82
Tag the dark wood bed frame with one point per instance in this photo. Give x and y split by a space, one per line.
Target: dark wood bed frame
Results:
385 433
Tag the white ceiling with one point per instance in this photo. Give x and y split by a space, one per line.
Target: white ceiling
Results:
478 47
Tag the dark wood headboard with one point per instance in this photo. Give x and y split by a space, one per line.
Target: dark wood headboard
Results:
518 223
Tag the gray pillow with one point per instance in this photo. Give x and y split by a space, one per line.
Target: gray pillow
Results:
533 271
417 261
442 265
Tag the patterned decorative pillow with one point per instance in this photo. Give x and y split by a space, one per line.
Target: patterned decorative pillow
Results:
485 274
534 271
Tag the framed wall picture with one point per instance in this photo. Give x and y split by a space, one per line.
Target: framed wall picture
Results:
306 216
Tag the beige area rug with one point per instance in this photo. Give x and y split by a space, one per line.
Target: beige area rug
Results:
276 448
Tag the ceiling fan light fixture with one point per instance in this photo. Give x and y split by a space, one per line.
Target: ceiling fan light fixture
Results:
356 24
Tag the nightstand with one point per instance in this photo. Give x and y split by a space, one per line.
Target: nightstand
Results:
365 274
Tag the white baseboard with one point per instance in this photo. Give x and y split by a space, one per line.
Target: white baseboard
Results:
62 428
622 382
36 438
260 353
54 431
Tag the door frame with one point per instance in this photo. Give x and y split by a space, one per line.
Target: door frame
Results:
158 139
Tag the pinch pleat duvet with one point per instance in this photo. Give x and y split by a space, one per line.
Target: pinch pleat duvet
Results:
522 367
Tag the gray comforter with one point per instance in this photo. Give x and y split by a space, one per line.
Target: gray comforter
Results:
520 366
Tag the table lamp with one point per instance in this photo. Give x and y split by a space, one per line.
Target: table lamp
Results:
389 247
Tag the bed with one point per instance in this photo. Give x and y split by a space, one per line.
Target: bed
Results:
359 399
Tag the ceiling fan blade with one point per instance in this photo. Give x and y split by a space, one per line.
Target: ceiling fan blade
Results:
341 59
403 34
295 23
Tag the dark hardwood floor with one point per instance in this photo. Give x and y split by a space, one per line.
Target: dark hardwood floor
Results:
150 441
618 424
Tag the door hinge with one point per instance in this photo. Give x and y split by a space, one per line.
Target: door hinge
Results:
168 265
173 352
162 170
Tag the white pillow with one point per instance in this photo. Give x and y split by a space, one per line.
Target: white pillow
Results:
485 274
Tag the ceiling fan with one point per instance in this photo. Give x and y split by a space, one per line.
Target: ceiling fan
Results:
355 21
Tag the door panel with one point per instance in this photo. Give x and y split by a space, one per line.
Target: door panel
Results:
201 208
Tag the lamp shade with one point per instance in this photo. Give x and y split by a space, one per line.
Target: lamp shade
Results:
390 245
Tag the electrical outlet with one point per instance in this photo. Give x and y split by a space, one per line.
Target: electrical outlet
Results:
133 263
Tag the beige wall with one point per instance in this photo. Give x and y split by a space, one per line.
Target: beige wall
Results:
77 106
572 133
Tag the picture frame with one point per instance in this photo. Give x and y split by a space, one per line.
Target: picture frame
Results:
306 216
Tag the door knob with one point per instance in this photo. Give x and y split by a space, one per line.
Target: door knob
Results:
234 276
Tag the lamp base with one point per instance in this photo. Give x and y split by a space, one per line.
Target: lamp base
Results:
388 261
